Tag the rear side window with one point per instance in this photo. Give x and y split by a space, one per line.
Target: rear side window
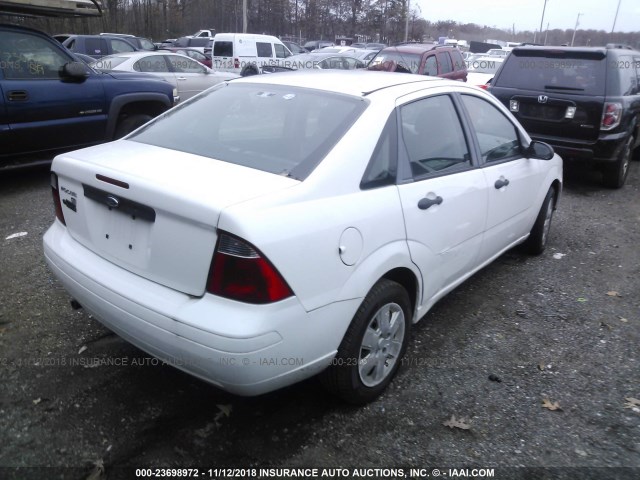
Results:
625 65
222 49
95 46
431 66
433 137
581 73
445 63
118 46
264 49
458 61
278 129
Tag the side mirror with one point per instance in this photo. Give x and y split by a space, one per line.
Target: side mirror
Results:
539 150
76 71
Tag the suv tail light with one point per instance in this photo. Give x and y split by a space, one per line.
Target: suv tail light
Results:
611 116
236 63
56 198
240 272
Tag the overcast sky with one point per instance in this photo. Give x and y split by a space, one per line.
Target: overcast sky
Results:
526 14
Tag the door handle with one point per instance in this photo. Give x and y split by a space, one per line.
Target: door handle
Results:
181 78
17 95
501 182
425 202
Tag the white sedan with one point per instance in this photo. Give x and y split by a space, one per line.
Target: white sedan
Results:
300 230
187 75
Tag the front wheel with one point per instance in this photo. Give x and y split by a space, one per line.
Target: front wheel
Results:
537 241
614 176
370 352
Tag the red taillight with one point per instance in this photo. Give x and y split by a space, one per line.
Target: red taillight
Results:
611 116
236 63
484 86
240 272
56 198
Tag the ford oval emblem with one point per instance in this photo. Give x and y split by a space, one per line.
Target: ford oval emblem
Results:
112 202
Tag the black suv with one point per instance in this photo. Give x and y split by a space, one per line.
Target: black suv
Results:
585 102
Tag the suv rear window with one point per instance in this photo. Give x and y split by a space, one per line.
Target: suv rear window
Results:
274 128
222 49
580 73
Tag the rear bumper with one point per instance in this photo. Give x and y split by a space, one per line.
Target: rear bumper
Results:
603 150
244 349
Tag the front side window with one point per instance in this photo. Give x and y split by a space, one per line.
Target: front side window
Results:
281 51
433 137
29 57
497 136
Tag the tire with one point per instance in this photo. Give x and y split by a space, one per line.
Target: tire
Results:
370 353
614 176
129 123
248 71
539 235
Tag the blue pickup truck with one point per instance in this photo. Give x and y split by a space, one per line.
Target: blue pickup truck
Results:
50 102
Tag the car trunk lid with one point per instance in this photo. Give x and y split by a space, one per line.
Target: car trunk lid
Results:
154 211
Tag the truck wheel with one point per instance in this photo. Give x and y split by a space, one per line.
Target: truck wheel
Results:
370 352
129 123
537 241
614 176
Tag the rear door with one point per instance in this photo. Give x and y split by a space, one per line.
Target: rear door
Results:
443 195
43 111
158 66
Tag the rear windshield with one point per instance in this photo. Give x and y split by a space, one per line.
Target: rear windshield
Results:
410 61
278 129
580 73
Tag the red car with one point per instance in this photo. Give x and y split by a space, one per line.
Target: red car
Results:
197 55
424 59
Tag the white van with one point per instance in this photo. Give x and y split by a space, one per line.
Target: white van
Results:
245 53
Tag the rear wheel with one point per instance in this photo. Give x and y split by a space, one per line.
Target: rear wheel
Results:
370 352
128 123
537 241
614 176
249 70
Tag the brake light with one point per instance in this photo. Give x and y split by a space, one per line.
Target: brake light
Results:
240 272
484 86
56 198
611 116
236 63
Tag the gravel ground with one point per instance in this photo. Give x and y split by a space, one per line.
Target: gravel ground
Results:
564 327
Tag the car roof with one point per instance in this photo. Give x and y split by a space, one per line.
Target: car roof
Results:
349 82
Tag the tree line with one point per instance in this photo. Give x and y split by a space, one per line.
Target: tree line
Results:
363 20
